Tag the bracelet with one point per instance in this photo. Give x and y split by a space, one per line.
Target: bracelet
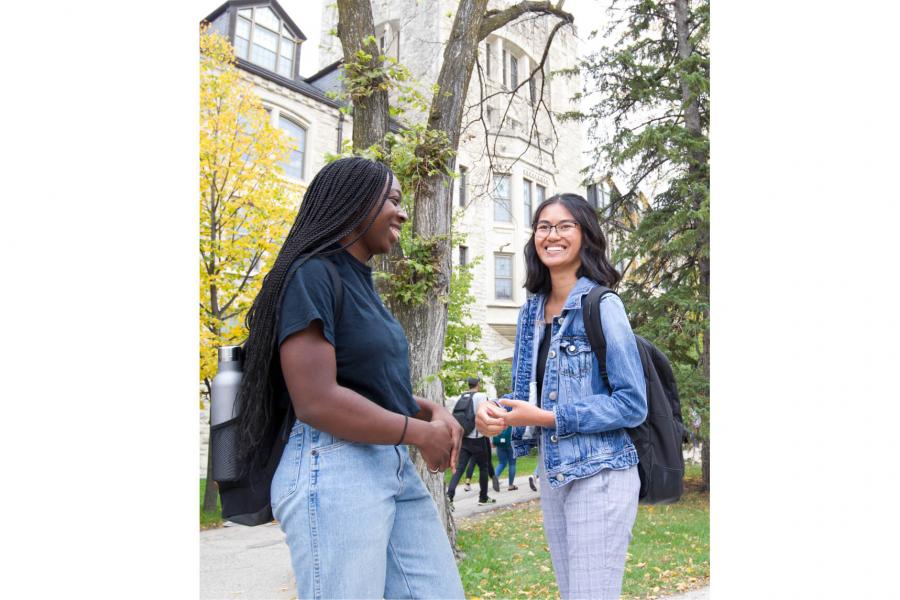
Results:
403 435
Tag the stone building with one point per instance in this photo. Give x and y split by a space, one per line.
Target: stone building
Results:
267 45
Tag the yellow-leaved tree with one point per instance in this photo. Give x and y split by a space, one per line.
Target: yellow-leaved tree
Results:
246 205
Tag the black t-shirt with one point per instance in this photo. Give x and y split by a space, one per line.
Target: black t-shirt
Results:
370 347
543 349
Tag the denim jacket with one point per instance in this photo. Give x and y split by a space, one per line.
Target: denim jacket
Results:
590 417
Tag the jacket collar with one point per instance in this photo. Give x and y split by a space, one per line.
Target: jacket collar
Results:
582 287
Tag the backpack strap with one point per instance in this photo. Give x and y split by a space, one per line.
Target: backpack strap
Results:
590 312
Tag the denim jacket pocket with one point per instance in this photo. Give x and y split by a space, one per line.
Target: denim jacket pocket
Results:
575 357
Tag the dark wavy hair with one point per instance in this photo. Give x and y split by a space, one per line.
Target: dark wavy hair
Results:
594 262
339 197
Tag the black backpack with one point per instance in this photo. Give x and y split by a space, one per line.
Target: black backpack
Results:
244 487
464 412
658 439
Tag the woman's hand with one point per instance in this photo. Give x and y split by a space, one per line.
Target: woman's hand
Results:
434 440
524 413
439 413
489 419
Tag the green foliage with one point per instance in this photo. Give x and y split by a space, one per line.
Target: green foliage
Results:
462 356
501 376
643 90
414 272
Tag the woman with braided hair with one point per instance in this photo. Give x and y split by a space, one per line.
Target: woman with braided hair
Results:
357 517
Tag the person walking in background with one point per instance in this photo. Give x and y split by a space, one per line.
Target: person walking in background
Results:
474 446
505 456
358 520
492 473
587 463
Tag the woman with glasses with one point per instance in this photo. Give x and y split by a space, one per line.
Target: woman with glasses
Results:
561 404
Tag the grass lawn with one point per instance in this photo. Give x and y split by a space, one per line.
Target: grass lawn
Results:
209 519
507 555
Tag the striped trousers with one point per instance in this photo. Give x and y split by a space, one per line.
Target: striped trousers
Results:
588 527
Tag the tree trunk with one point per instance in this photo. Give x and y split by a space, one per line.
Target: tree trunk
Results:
704 462
212 489
698 171
425 324
370 113
211 494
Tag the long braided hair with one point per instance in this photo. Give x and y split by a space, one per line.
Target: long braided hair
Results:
339 197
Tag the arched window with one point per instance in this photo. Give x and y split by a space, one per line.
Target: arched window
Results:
263 39
293 167
388 36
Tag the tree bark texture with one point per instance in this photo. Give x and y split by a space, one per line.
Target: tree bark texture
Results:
210 495
370 113
704 462
697 168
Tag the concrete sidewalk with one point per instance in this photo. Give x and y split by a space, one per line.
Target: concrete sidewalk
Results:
253 563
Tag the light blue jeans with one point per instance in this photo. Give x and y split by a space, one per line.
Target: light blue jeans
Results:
506 456
359 522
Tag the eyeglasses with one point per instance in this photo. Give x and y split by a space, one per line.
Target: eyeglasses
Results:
562 228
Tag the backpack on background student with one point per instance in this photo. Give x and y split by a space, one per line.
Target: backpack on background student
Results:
464 412
658 439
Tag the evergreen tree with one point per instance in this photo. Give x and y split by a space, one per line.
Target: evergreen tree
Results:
650 88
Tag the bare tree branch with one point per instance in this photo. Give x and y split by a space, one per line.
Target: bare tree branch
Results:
495 19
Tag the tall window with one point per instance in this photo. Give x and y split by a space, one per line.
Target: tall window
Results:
463 195
513 71
503 276
505 59
526 200
388 37
487 54
596 195
502 206
541 194
294 165
262 38
463 255
532 90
